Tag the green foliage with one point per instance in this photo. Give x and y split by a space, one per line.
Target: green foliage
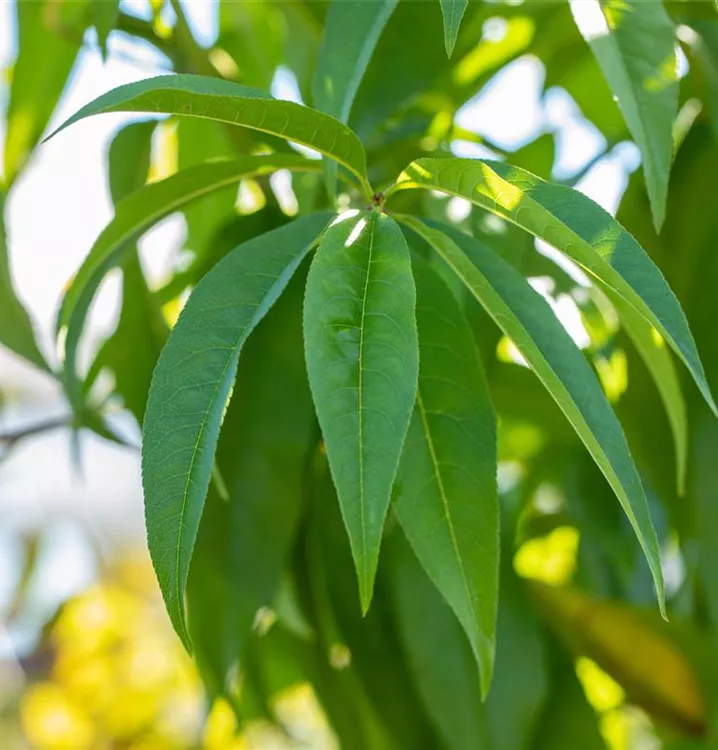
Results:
16 331
363 361
636 53
365 407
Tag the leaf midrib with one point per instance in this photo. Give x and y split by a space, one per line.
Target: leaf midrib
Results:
445 504
361 399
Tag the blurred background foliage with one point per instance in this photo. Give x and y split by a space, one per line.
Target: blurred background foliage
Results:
583 659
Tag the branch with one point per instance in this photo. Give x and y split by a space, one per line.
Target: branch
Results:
9 439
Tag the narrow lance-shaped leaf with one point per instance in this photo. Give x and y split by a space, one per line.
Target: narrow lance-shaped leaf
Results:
446 497
36 89
190 390
452 11
16 331
261 454
635 45
437 652
351 31
134 215
526 318
225 101
132 350
104 16
576 226
657 359
362 358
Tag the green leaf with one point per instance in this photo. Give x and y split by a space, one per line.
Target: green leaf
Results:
519 690
576 226
351 31
132 350
452 11
224 101
446 498
438 653
36 89
362 358
134 215
190 389
654 354
634 44
526 318
16 331
104 16
199 141
262 453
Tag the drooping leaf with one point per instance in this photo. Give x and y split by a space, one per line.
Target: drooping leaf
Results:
438 653
132 350
529 322
104 16
225 101
576 226
654 354
452 11
351 31
133 216
190 389
446 497
16 332
634 43
36 89
261 455
362 357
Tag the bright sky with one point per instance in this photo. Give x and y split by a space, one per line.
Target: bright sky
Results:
61 204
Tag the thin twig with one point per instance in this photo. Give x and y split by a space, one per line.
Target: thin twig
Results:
9 439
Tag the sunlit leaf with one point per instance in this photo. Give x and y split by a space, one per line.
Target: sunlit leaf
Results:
133 216
16 332
36 89
634 44
224 101
576 226
190 389
529 322
452 11
362 358
446 498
